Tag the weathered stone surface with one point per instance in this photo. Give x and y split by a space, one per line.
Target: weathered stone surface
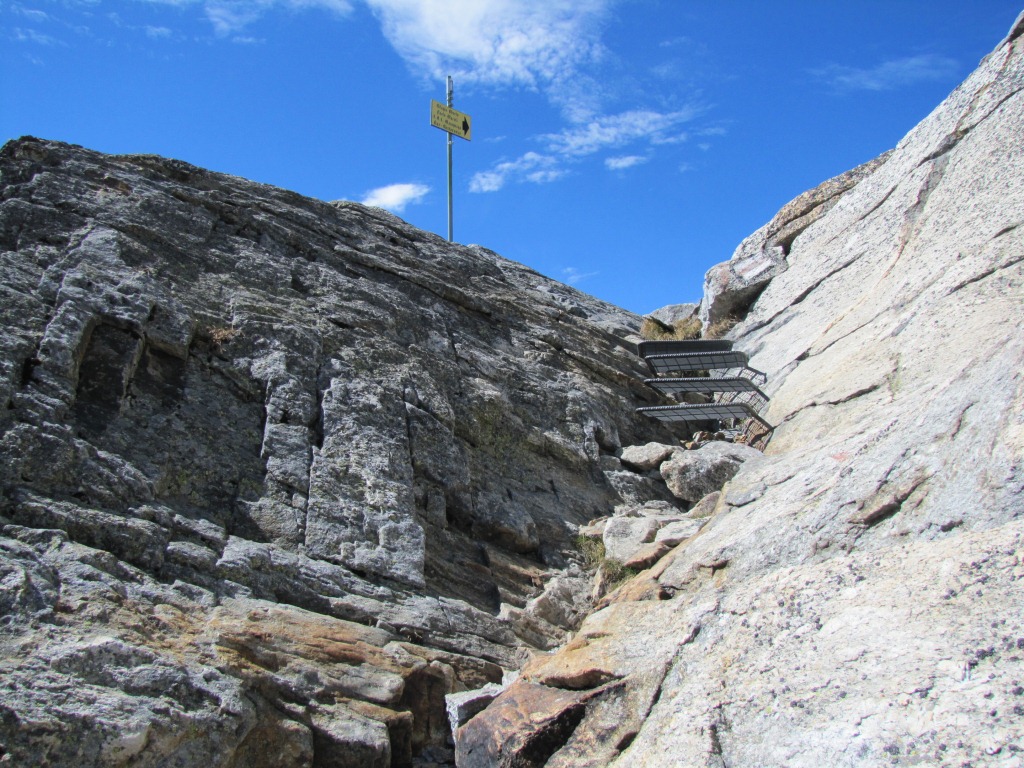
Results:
730 288
466 704
707 506
636 490
692 475
276 475
862 583
646 555
644 458
523 727
677 532
624 535
254 451
673 313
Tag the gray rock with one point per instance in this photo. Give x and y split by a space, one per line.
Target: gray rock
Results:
565 601
673 313
636 490
675 533
623 536
706 506
730 288
464 705
645 458
224 406
692 475
859 585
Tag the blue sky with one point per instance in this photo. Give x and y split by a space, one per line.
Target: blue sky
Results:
622 146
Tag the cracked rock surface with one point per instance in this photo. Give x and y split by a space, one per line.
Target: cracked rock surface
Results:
278 475
854 598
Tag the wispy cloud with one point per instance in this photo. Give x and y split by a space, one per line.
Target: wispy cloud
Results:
889 75
618 130
230 17
532 43
395 197
532 167
573 276
643 127
31 36
623 162
543 45
32 14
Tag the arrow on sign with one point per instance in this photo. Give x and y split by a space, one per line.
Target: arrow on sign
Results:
451 120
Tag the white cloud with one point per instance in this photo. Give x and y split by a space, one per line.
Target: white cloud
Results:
573 276
532 167
31 36
576 142
395 197
617 130
31 13
539 44
624 162
889 75
230 17
531 43
158 32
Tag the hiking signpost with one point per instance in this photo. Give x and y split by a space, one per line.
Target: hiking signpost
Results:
454 123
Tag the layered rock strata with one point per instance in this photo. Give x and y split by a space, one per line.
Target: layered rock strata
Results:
278 475
854 598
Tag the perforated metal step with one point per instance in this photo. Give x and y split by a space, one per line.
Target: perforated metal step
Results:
672 386
675 347
688 362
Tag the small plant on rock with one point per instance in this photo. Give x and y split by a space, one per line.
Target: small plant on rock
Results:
592 551
719 328
615 574
681 330
221 336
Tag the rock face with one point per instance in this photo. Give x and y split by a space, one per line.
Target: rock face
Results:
278 475
730 288
854 598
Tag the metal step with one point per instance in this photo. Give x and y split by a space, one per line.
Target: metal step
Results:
703 412
687 362
674 347
671 386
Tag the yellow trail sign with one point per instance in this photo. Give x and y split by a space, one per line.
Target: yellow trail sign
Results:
451 120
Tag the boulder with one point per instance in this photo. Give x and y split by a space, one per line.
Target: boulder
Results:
675 533
731 287
691 475
673 313
624 535
647 555
644 458
465 705
525 725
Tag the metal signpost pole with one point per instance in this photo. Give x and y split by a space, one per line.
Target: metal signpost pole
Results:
454 123
450 105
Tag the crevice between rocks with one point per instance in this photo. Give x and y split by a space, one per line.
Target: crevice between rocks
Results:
986 273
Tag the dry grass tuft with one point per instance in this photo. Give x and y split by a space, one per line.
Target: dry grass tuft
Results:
221 336
719 329
681 330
